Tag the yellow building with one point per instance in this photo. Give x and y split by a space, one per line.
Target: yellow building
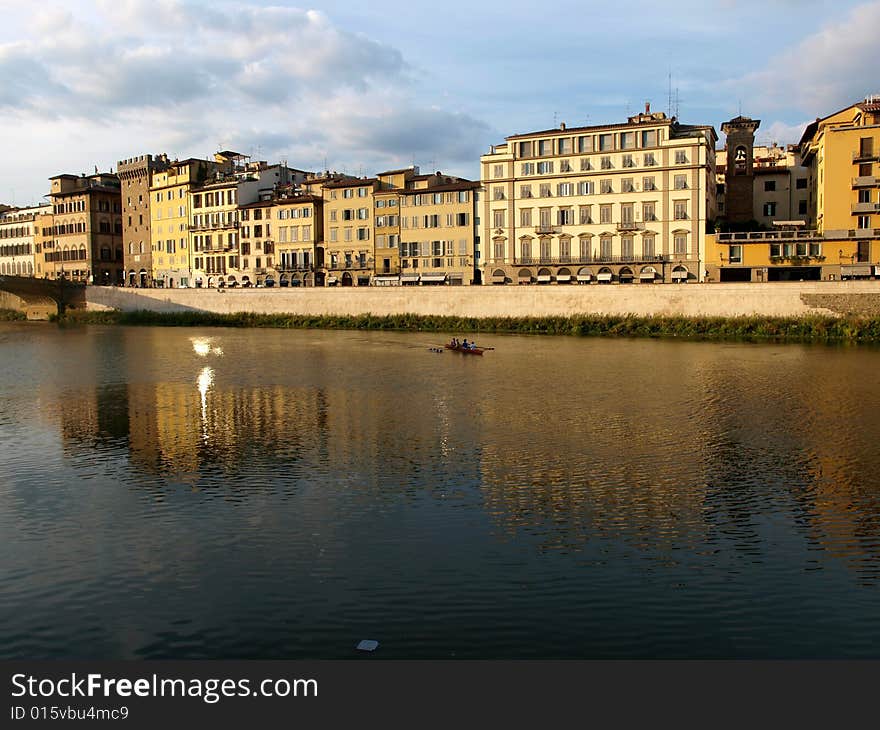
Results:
837 237
299 224
387 224
20 235
348 231
611 203
437 237
171 261
43 225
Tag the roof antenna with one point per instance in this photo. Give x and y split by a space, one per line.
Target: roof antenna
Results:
554 119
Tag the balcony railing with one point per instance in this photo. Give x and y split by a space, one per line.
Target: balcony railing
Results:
630 226
544 229
211 226
597 259
865 208
762 236
864 181
864 155
287 268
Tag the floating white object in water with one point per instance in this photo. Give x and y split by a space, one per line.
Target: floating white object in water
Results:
368 645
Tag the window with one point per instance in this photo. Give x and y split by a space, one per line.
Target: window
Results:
864 222
463 196
545 147
565 216
586 164
363 192
626 247
775 249
525 217
680 210
605 186
802 207
627 140
735 255
545 168
680 244
628 160
769 209
606 142
565 166
525 191
525 149
769 186
498 218
605 248
815 249
606 163
648 246
545 190
564 249
585 144
585 188
584 215
527 168
648 184
680 182
564 146
498 171
627 215
604 214
649 139
498 193
648 212
585 249
626 185
498 249
801 183
362 214
565 189
680 157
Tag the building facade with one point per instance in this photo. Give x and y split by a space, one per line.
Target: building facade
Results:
298 218
20 229
617 203
135 178
348 227
86 241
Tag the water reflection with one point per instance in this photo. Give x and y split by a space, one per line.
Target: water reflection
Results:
613 488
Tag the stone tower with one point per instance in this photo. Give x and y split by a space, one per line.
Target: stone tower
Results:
739 176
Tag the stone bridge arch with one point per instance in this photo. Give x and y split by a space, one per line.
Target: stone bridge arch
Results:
40 298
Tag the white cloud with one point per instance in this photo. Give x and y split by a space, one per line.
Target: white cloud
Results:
139 76
826 71
780 132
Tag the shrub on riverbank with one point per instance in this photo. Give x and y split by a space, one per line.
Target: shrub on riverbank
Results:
11 315
801 329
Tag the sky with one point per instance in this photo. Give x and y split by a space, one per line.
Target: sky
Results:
367 86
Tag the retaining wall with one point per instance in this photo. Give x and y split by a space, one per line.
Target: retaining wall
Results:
723 300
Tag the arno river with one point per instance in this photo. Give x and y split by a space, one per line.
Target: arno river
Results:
170 493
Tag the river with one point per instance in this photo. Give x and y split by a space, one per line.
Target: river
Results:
226 493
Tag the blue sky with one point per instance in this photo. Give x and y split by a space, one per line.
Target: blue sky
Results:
367 86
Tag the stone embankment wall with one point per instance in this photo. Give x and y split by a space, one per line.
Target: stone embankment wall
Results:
782 299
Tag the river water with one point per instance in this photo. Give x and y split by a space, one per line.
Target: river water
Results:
225 493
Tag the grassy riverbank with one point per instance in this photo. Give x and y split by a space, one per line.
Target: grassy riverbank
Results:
799 329
11 315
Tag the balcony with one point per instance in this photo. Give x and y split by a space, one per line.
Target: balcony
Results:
764 236
545 229
865 208
286 268
597 259
211 226
630 226
864 181
864 156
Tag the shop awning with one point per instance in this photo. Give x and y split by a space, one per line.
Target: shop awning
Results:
544 277
604 276
382 277
433 277
626 275
331 280
498 278
584 277
563 277
647 275
679 274
409 277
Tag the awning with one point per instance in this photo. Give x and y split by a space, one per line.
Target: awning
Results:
433 277
331 280
679 274
856 270
877 271
647 275
381 277
584 277
626 275
564 277
498 278
409 277
604 276
543 277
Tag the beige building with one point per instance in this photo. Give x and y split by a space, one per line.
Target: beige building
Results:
612 203
298 219
86 244
20 229
438 230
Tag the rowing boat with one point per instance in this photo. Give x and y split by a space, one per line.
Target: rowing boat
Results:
465 350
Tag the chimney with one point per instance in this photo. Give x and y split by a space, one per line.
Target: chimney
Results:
562 126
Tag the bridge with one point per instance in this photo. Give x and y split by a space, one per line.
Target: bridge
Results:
40 298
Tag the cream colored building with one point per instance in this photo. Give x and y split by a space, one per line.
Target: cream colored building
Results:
19 231
348 231
299 225
611 203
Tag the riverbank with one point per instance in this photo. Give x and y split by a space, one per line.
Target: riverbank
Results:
12 315
815 328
